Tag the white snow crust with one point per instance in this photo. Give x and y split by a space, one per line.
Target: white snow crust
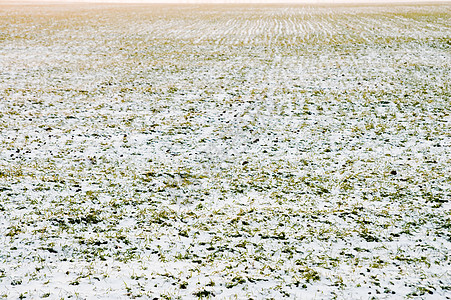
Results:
225 151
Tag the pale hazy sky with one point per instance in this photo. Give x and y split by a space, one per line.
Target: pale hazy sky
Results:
225 1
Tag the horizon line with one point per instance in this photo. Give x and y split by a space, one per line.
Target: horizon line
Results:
225 1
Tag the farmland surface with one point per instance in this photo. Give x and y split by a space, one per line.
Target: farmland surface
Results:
221 151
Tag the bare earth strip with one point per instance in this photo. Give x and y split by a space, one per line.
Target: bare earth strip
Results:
225 151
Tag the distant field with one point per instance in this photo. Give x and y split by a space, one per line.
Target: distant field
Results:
231 1
209 151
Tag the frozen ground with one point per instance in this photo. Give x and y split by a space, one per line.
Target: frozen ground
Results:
225 151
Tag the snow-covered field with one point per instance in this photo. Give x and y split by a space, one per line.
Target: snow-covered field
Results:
247 152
